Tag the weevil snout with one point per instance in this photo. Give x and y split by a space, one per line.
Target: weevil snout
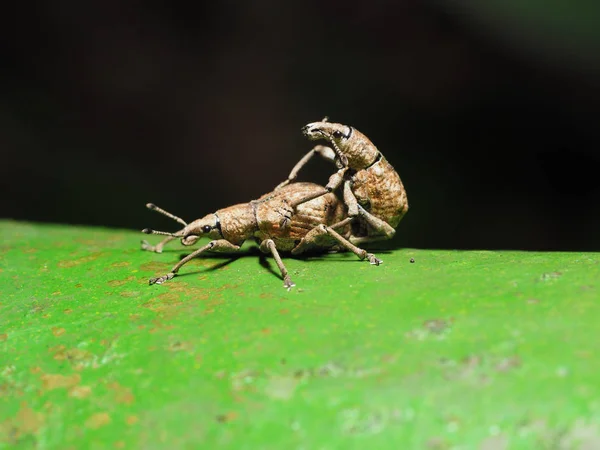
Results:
333 132
312 131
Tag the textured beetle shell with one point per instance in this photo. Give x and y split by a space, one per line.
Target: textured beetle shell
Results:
278 221
380 191
238 222
362 152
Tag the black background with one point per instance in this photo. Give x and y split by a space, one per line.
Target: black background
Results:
492 125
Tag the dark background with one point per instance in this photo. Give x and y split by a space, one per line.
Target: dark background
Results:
489 114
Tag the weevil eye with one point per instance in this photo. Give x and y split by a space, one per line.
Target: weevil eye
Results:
337 134
206 228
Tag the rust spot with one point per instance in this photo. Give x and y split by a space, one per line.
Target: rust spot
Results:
129 294
533 301
134 317
80 391
179 346
97 420
36 369
132 420
507 364
76 262
550 276
122 394
284 311
227 417
119 444
68 311
26 422
56 381
3 337
436 326
61 353
154 266
116 283
58 331
169 298
79 285
265 331
121 264
160 326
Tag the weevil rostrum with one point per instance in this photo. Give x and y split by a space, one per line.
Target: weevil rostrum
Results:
372 189
319 224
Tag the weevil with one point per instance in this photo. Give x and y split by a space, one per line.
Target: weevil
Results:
372 188
315 225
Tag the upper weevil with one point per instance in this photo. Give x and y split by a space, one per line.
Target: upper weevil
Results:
273 223
372 188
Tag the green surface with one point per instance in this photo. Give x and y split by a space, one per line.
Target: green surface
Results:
479 349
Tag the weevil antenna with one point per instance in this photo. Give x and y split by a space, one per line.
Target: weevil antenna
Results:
342 158
162 233
153 207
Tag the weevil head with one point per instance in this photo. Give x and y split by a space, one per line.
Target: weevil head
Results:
352 148
208 226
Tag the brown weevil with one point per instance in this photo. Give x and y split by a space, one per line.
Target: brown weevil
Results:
372 189
320 224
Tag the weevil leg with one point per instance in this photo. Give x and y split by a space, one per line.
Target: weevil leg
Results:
354 209
335 181
268 246
380 226
359 240
213 246
158 248
308 242
325 152
350 199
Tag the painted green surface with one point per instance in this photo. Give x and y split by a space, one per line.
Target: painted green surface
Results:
479 349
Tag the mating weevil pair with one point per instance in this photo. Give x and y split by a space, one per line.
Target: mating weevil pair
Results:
300 217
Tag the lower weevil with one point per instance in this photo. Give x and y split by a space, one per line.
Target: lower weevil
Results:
316 225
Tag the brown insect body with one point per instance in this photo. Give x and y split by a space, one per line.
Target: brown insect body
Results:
273 222
277 219
373 191
380 191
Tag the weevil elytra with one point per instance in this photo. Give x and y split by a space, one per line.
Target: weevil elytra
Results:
320 224
372 189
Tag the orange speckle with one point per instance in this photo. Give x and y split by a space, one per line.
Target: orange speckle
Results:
284 311
265 331
227 417
27 421
3 337
55 381
98 420
132 420
58 331
119 444
122 394
80 391
68 311
121 264
36 369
